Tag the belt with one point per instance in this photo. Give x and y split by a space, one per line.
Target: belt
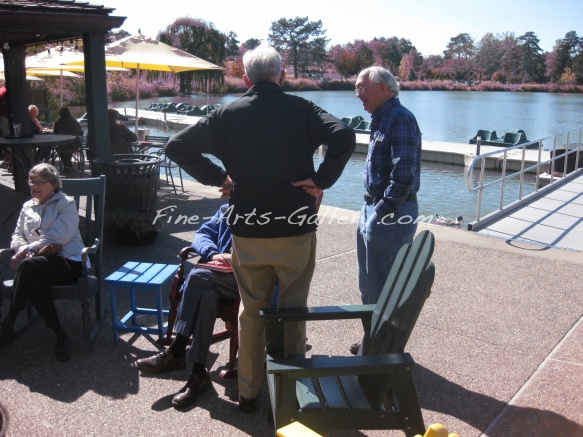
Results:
369 200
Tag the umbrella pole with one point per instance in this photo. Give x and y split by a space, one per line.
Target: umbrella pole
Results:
61 88
137 97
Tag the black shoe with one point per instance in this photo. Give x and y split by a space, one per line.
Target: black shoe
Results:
63 350
6 336
195 386
161 363
248 405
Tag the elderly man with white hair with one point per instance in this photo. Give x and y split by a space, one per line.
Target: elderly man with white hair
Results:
266 142
391 182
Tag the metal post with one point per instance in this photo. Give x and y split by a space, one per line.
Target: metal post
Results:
478 144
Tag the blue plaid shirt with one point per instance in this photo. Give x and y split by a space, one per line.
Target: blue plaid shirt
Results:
393 165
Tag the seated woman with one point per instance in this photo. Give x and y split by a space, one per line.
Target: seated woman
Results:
35 129
67 125
120 136
47 246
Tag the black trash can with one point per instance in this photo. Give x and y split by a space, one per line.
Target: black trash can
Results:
132 181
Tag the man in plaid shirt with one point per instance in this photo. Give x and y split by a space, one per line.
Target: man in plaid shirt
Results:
391 180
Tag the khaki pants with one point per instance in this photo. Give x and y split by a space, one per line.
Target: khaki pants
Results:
257 263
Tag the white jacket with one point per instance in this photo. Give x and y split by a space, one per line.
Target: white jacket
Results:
54 222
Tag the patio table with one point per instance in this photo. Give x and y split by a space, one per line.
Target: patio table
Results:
25 150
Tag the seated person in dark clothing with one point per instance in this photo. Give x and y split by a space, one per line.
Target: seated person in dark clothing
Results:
201 293
67 125
120 136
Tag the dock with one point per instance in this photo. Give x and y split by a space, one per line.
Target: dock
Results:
442 152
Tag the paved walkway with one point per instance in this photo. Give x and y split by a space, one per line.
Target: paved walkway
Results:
498 344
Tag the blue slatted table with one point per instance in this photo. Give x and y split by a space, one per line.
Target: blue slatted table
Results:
139 276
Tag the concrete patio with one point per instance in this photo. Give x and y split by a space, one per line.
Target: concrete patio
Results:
498 345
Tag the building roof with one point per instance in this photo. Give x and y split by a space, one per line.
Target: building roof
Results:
30 22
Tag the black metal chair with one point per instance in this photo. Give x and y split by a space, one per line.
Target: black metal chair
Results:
166 164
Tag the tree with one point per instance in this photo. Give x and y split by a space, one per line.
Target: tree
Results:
347 64
566 51
577 64
512 63
459 56
488 55
303 41
232 45
533 62
431 67
201 39
411 65
252 43
364 54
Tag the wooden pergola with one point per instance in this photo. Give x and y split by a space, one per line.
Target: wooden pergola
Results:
25 23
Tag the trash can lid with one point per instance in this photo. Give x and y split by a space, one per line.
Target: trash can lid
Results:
127 159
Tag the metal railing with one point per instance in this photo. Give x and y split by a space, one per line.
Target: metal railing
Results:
549 163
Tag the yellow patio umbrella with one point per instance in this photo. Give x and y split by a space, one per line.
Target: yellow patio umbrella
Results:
141 53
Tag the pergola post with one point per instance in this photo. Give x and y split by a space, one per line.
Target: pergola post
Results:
95 77
17 92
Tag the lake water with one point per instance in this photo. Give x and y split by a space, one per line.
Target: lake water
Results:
442 116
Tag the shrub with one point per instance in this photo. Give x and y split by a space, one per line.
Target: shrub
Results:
234 85
166 91
337 85
120 88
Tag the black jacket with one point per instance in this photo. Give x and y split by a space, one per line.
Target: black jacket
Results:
266 140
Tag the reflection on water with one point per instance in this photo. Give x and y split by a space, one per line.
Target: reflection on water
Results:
443 189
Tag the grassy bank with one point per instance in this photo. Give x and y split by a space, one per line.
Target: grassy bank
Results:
235 85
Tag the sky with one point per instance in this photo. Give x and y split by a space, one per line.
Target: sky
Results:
428 24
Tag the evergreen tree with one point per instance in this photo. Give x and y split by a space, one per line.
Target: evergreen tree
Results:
251 43
533 61
565 51
232 45
302 40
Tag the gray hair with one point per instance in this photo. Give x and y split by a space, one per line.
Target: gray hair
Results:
382 75
48 173
262 64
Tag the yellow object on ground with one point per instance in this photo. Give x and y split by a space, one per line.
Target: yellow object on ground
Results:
296 429
436 430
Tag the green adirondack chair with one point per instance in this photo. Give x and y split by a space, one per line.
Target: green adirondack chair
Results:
373 390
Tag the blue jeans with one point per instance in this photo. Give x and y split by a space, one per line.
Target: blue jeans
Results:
378 240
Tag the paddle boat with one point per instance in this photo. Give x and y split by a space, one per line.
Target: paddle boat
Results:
510 138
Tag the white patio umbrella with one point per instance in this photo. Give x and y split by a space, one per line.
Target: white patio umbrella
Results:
2 78
54 63
141 53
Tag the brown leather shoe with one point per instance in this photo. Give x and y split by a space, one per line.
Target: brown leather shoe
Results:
354 348
160 363
195 386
